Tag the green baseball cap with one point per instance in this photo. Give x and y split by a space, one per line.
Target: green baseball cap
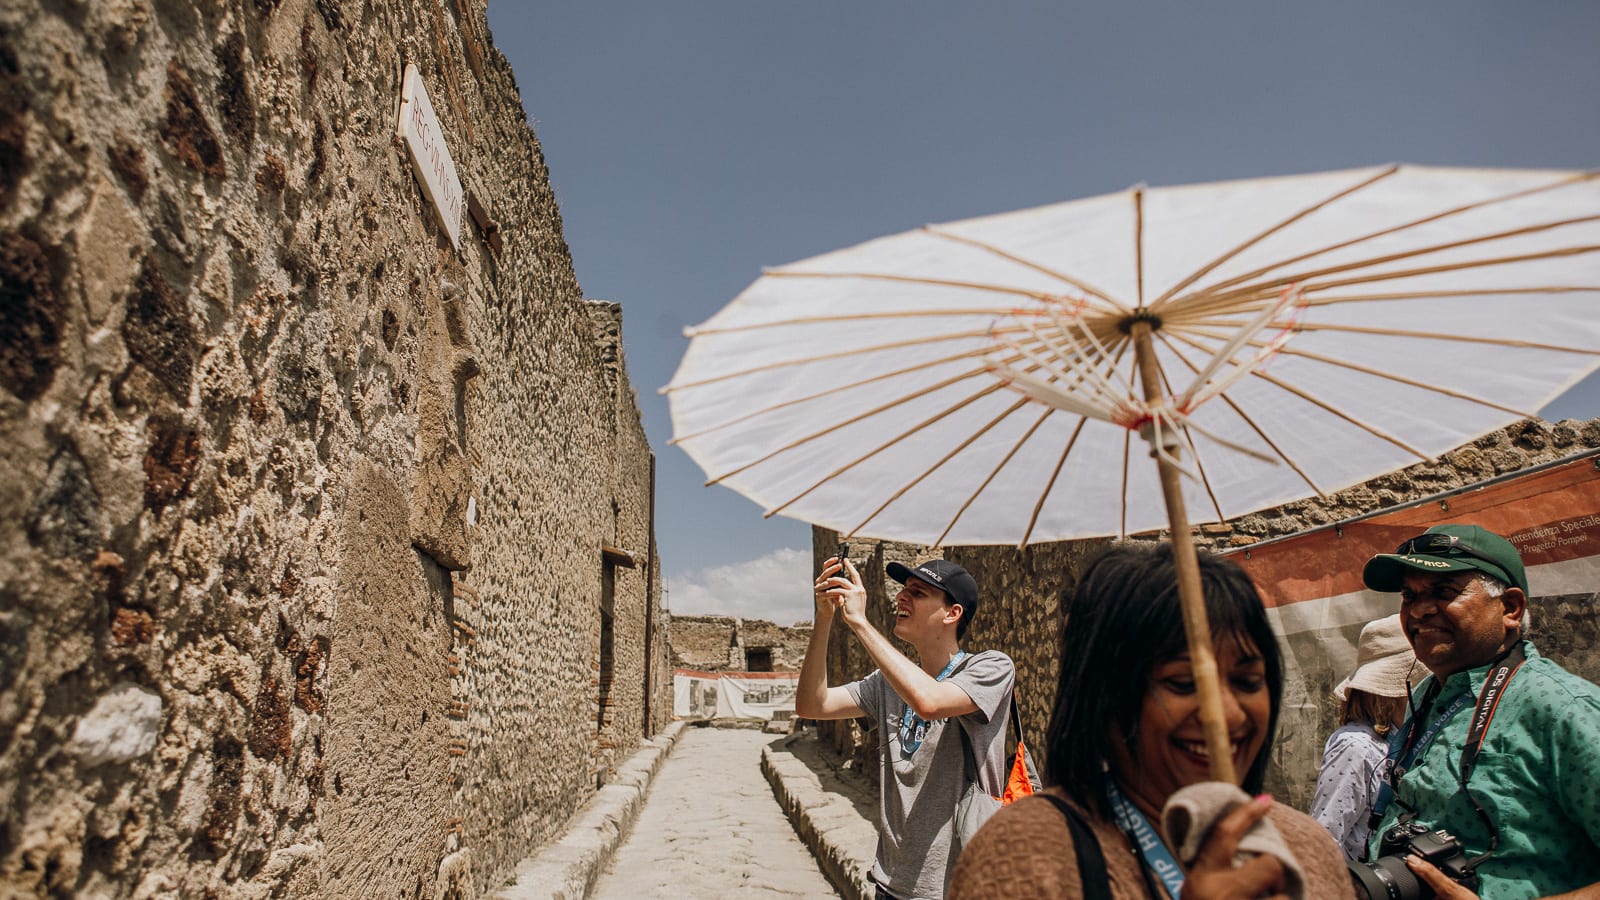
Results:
1447 548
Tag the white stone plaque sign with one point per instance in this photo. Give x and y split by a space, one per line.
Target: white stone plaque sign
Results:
430 158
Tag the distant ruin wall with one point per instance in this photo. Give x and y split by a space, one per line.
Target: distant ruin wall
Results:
1021 590
721 643
308 518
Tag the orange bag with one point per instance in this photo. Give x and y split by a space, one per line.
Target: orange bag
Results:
1024 777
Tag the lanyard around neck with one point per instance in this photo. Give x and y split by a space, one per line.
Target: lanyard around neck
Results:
912 728
1153 852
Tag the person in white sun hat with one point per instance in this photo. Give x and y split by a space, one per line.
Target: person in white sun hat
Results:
1372 704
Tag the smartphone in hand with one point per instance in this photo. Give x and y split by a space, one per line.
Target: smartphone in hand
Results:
842 555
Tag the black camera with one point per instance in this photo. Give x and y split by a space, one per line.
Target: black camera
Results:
1389 877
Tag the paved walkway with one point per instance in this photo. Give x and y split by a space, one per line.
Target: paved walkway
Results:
711 828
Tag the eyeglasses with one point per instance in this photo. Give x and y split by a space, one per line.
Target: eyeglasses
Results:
1433 543
1436 544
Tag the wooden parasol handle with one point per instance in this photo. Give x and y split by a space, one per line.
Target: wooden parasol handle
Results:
1196 627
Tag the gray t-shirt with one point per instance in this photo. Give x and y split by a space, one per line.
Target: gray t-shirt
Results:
917 802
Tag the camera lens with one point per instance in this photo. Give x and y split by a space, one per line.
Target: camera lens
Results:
1388 878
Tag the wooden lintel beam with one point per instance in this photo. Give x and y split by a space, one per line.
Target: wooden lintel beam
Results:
618 557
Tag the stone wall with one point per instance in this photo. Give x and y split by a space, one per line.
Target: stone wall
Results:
720 643
1020 612
308 517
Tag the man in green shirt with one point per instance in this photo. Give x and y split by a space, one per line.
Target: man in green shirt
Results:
1536 774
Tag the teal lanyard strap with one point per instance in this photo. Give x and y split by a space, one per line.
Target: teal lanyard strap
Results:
1404 748
912 728
1146 842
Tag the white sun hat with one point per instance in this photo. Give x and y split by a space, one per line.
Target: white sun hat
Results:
1383 660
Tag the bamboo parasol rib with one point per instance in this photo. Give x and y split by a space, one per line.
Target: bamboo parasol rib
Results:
912 279
1280 283
1440 295
1113 363
833 318
1050 483
1081 285
1138 243
1463 338
1330 408
1127 441
1188 439
1436 217
884 446
842 354
1206 269
888 444
1251 295
1248 420
1011 454
1390 376
1019 404
1324 405
880 408
831 391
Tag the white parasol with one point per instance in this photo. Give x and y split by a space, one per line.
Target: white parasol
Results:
982 381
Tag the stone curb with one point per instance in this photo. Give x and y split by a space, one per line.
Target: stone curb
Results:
842 840
567 868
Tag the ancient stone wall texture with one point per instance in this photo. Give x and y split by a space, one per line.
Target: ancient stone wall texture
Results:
1020 612
327 546
704 643
719 643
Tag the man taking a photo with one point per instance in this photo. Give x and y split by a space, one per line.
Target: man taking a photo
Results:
927 712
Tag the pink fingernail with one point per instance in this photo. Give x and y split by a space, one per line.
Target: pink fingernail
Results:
1264 799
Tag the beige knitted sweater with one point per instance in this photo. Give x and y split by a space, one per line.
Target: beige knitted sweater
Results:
1026 851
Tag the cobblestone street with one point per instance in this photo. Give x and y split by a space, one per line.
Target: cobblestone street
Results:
711 828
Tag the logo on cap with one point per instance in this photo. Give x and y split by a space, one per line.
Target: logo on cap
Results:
929 574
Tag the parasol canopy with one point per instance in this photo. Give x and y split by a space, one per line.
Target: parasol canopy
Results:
975 382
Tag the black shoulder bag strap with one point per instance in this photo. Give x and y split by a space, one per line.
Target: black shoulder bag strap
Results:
1091 862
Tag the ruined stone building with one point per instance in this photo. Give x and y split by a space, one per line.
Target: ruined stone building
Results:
1021 590
326 532
731 643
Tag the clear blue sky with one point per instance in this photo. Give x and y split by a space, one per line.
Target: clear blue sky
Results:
691 143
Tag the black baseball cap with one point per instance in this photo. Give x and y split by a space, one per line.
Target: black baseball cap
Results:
944 575
1447 548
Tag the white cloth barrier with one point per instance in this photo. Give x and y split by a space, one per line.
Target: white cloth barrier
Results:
733 695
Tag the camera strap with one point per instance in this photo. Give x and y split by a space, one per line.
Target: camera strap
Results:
1494 687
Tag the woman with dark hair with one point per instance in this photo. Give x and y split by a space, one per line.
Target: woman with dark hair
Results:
1125 734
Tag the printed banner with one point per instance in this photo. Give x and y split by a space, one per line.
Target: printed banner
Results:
733 695
1312 586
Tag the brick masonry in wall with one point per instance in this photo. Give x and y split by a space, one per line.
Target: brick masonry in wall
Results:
1022 589
308 518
